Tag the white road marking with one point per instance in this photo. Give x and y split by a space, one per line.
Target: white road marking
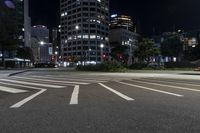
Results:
70 79
74 97
11 90
177 83
29 83
54 81
117 93
170 86
21 103
151 89
18 85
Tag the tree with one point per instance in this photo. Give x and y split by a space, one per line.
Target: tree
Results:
146 50
172 47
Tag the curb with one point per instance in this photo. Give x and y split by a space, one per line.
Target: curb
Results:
15 73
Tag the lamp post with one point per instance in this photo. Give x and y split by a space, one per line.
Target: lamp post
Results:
102 46
89 52
130 58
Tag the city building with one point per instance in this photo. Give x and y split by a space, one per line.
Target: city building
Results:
122 34
23 21
42 49
122 21
55 40
84 30
19 15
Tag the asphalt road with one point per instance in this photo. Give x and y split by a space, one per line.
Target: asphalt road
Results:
57 101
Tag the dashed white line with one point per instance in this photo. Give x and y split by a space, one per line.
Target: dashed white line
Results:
151 89
117 93
21 103
11 90
74 97
34 84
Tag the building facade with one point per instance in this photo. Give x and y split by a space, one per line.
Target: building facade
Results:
122 21
122 35
23 22
42 49
84 30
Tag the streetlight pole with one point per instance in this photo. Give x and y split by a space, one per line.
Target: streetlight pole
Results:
102 46
89 53
130 58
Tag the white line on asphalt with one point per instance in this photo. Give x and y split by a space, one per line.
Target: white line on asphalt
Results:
34 84
74 97
170 86
177 83
151 89
18 85
11 90
70 78
21 103
117 93
54 81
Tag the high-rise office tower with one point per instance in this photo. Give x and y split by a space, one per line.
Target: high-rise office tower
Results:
122 21
23 22
84 30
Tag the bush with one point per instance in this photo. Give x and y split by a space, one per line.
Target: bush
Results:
104 67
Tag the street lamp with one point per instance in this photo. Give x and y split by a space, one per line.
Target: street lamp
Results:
42 43
102 46
77 27
130 58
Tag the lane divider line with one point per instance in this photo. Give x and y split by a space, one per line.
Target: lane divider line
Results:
177 83
74 97
11 90
117 93
169 86
45 80
34 84
21 103
151 89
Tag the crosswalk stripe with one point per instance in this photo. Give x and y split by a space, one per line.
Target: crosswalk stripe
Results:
117 93
11 90
74 97
46 80
151 89
34 84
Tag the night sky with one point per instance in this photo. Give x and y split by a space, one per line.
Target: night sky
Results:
150 15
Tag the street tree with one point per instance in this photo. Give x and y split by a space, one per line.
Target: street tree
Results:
172 47
145 50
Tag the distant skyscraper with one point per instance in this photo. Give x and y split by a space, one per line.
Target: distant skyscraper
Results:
122 21
84 29
42 49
